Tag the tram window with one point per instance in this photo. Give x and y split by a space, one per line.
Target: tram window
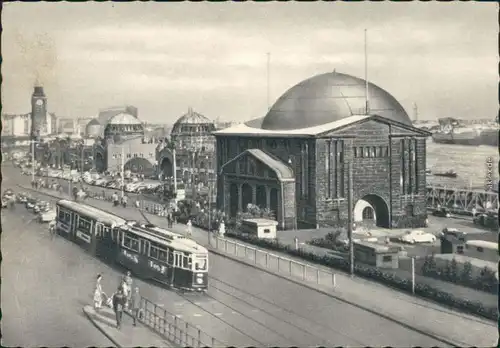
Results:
170 258
153 253
130 243
480 249
83 224
184 262
200 264
162 255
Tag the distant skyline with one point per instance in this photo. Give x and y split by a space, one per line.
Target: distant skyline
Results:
166 57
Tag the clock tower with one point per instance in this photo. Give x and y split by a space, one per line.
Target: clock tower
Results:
38 113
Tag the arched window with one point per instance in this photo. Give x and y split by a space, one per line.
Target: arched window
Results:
368 213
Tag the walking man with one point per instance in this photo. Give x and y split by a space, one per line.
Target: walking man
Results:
52 228
114 197
135 304
189 228
118 305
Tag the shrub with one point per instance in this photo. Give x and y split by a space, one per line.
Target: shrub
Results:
387 278
466 274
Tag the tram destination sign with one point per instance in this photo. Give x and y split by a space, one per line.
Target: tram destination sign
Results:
132 257
159 268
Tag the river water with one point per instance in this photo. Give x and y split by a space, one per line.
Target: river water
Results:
470 163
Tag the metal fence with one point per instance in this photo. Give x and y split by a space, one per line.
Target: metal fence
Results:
174 328
292 268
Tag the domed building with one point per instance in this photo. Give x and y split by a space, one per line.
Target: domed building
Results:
125 145
296 161
194 143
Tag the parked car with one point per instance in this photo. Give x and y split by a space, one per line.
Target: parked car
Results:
47 216
31 202
22 197
488 220
8 195
417 236
442 212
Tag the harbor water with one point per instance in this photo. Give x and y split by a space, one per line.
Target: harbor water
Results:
469 162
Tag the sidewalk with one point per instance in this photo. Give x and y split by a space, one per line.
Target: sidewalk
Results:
129 335
464 329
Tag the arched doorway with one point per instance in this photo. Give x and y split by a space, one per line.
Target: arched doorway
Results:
140 165
166 167
246 196
372 209
233 200
261 198
273 206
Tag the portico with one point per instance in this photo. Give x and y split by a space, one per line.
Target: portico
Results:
254 177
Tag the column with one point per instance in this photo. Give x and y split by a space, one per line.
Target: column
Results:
239 198
268 197
254 194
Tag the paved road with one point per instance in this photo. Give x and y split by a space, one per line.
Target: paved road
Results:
254 308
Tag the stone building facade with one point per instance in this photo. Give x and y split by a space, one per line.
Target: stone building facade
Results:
296 160
191 135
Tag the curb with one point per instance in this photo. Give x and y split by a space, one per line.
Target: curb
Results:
100 328
335 296
346 301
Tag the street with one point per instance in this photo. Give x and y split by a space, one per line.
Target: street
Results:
262 318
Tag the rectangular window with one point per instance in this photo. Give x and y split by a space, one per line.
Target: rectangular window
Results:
361 152
130 242
387 258
303 169
335 169
480 249
410 166
129 155
378 151
366 152
84 225
415 166
329 168
460 249
402 165
355 152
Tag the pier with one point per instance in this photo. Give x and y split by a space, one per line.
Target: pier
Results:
461 200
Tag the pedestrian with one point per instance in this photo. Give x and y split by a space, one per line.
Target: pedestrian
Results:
189 227
52 228
98 294
169 220
124 201
135 304
137 204
118 306
115 200
127 286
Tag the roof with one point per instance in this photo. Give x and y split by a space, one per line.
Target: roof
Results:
482 243
378 248
90 211
249 128
330 97
192 117
106 114
283 171
93 122
124 119
260 221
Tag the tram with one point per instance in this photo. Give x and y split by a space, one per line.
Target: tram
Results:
148 251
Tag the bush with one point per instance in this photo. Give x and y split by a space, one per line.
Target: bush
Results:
381 276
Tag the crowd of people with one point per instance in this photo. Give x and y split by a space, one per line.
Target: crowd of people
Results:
123 299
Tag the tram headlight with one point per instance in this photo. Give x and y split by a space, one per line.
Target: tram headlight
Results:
199 280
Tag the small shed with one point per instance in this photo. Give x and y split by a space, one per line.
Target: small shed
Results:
374 254
262 228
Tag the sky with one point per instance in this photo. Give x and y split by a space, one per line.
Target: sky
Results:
166 57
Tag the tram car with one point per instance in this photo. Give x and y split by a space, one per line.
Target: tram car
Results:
148 251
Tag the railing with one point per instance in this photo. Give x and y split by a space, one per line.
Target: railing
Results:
292 268
174 328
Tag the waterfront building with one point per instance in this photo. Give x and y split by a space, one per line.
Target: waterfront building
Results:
295 160
16 125
191 135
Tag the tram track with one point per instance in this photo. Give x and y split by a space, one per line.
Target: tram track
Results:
240 328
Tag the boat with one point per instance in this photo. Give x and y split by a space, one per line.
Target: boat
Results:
489 136
447 174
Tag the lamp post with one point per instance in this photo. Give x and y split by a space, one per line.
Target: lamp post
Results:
122 170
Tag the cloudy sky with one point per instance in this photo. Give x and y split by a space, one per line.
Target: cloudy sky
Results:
164 58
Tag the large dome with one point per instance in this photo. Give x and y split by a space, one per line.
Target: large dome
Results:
124 119
123 124
193 123
330 97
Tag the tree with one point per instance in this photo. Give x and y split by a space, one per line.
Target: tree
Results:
430 266
487 279
466 274
454 271
447 270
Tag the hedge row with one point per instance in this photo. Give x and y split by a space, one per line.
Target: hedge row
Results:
454 273
378 275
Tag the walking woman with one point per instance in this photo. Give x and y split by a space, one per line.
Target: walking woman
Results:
98 293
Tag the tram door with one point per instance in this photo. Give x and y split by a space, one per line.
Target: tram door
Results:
97 245
177 272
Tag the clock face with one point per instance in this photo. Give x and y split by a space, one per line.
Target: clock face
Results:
39 102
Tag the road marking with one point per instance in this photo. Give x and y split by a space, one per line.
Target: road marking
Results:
178 315
161 305
197 315
218 314
197 303
233 312
179 303
255 310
